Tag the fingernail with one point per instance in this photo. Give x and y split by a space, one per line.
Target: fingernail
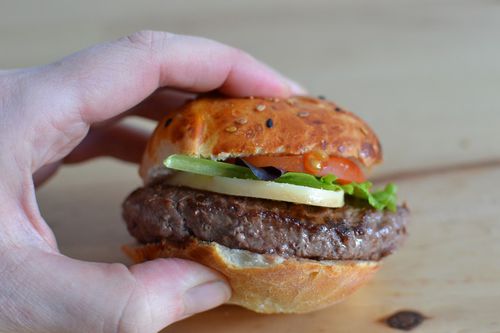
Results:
205 296
295 88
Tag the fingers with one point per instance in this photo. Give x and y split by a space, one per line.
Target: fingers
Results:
74 296
110 78
122 142
119 141
97 84
160 102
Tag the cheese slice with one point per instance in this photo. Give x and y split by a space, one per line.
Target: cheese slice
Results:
259 189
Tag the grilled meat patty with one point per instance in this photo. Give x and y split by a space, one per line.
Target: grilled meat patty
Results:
353 232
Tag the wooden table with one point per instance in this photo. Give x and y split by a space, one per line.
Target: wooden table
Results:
424 74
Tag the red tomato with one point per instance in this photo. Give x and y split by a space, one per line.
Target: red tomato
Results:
346 170
314 163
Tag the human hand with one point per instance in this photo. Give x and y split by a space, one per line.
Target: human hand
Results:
45 117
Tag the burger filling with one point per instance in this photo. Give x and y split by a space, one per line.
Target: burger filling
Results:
280 208
246 178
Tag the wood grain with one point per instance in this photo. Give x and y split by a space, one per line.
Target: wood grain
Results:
447 270
424 74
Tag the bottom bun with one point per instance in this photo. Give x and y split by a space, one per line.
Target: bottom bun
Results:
268 283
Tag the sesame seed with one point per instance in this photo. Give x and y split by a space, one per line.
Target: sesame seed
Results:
260 107
303 114
231 129
269 123
241 121
168 122
275 99
251 97
290 101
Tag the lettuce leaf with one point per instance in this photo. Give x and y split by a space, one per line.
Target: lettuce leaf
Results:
202 166
381 199
305 179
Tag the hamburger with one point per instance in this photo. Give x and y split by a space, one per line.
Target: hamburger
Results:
272 194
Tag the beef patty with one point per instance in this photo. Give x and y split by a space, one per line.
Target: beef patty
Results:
353 232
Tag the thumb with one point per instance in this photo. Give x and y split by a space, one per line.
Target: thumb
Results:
74 296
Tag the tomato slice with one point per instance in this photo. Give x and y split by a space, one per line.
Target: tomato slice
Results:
314 163
346 170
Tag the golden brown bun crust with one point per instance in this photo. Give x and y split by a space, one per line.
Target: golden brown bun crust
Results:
266 283
220 127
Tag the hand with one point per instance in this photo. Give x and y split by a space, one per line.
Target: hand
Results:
45 117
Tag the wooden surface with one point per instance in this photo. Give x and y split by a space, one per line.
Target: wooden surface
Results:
424 74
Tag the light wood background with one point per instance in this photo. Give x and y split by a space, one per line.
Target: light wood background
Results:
425 74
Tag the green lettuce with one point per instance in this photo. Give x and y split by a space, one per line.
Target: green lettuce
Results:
381 199
206 167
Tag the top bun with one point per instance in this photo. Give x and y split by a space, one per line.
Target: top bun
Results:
222 127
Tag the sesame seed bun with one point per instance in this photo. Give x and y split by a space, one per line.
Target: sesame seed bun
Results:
268 283
221 127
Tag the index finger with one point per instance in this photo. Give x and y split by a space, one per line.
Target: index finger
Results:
110 78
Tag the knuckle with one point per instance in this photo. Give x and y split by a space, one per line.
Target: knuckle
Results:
138 312
135 316
149 40
130 317
143 38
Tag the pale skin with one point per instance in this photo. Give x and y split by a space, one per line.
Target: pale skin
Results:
45 116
